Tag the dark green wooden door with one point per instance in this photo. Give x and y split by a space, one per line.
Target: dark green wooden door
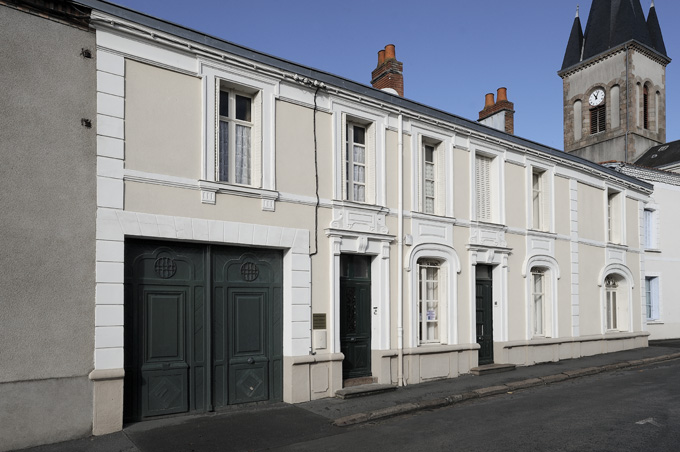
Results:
484 313
248 326
355 315
164 306
192 349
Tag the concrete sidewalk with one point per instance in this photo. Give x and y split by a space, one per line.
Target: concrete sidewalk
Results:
255 428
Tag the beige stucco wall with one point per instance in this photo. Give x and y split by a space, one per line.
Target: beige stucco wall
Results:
562 200
632 223
162 121
295 150
515 196
563 256
517 289
461 237
591 213
392 168
163 200
461 183
590 265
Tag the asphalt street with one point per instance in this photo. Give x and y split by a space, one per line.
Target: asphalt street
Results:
629 410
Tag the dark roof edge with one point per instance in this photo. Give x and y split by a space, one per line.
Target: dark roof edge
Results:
328 78
661 56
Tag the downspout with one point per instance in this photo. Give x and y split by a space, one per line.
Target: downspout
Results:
400 259
625 149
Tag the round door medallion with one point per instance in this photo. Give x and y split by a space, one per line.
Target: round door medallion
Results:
249 271
165 267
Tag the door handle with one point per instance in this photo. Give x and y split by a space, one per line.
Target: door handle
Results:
251 360
352 339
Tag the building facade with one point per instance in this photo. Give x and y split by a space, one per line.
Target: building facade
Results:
262 231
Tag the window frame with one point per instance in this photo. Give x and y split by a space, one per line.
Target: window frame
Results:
611 288
538 304
233 124
650 228
424 304
615 216
263 154
483 188
652 292
431 181
350 163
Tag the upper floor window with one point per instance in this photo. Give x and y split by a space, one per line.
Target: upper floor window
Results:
650 231
483 188
614 216
235 137
537 199
429 187
355 163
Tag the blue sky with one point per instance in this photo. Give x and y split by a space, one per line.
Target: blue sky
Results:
454 52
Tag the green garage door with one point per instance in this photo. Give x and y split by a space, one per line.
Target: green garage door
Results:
203 327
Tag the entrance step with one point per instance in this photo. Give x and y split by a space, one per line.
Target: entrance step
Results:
360 381
363 390
492 369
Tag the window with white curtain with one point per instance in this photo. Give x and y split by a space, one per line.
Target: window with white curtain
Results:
537 199
235 137
429 274
356 160
429 179
538 301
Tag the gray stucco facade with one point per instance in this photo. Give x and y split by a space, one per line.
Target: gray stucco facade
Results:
48 223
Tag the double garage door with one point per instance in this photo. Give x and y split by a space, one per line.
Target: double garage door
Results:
203 327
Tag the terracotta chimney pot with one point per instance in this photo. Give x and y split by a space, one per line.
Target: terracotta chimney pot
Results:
502 94
489 102
390 52
381 57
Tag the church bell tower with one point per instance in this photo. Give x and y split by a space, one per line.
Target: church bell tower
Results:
614 80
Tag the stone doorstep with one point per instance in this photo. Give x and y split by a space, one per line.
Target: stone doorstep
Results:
492 369
363 390
359 381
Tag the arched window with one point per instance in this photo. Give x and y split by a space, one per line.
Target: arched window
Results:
429 296
538 298
645 107
578 121
611 287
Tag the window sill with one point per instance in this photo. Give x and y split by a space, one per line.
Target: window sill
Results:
358 205
652 250
239 190
432 216
655 322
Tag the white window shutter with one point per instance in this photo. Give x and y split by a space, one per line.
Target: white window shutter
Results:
483 187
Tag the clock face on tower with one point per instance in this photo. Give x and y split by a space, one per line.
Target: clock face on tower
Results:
596 98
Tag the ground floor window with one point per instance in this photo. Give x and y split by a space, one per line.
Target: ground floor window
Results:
428 300
538 299
611 289
652 297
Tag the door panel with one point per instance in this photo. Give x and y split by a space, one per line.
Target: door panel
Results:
484 320
355 316
249 361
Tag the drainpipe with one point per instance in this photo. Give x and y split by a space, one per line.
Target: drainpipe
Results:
400 259
625 149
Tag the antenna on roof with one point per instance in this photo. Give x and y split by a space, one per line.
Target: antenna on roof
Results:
577 9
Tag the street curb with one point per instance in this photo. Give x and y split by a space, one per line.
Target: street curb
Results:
411 407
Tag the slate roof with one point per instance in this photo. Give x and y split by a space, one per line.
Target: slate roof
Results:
341 82
660 156
610 24
647 174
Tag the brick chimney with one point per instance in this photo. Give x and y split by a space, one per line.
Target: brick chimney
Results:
388 75
499 114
